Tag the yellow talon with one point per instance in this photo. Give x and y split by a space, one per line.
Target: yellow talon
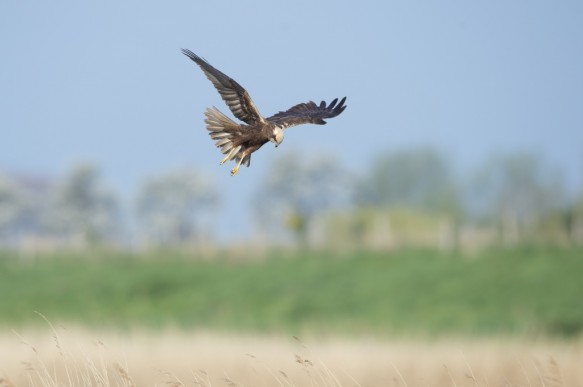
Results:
236 169
225 159
232 152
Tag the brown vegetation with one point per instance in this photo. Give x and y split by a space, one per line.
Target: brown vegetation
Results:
81 358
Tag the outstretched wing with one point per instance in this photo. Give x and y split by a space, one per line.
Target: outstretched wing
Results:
308 113
236 97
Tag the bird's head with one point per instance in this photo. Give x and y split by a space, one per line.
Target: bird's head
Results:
277 136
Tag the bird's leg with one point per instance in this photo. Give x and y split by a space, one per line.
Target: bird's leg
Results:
236 169
228 156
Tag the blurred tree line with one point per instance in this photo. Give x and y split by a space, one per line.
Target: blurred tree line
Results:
404 198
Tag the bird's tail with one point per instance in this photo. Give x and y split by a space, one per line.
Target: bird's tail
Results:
224 130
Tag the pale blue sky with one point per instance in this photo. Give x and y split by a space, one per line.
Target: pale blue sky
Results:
106 83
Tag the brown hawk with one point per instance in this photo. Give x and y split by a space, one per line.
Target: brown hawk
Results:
239 141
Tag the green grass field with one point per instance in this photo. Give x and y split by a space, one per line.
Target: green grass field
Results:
534 291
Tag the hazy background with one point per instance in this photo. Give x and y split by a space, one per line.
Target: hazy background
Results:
430 235
106 84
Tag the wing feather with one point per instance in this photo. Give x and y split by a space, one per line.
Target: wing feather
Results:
234 95
308 113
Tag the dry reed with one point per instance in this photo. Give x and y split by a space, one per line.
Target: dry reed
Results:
131 359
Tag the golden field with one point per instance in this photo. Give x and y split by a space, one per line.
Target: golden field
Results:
77 357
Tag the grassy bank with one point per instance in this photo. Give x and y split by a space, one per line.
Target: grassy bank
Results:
524 291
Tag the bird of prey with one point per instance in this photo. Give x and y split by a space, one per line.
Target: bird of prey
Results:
238 141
